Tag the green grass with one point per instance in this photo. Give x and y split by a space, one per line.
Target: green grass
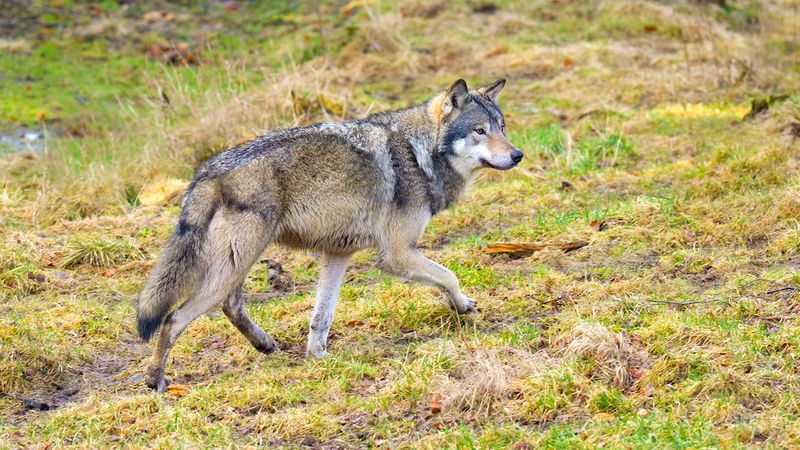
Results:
676 327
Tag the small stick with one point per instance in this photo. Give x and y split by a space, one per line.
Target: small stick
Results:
528 248
775 291
667 302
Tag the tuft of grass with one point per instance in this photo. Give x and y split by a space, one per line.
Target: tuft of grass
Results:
19 273
100 251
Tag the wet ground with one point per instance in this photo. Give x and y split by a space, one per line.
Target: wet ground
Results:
22 139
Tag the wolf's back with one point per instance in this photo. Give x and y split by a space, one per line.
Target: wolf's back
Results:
180 265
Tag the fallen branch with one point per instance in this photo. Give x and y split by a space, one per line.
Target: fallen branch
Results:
522 249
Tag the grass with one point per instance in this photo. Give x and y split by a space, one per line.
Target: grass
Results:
676 327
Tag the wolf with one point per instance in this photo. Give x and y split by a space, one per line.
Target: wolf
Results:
330 188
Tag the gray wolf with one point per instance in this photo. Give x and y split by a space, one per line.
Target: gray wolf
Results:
331 188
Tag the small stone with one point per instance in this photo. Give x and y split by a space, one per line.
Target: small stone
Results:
135 378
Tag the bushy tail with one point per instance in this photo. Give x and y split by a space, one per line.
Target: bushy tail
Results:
181 264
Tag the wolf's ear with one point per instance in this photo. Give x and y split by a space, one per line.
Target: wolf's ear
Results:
455 97
491 92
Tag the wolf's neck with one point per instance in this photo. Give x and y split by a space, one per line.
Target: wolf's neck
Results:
446 184
420 130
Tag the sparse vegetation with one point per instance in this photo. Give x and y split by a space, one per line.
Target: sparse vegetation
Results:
676 327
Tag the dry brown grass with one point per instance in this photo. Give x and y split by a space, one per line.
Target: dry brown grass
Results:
485 380
676 325
612 356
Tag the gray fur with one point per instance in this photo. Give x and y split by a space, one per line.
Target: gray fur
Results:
330 188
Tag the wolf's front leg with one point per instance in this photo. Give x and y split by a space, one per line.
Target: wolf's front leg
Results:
410 263
331 273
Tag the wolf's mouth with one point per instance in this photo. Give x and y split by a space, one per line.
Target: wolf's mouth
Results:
492 166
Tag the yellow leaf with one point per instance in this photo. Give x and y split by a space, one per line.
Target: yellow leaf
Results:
177 390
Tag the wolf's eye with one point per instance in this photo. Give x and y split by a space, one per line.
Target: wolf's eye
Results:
480 131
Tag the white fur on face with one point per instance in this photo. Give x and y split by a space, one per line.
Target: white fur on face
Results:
467 158
466 149
472 155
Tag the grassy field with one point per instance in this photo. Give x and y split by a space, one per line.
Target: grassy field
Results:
666 134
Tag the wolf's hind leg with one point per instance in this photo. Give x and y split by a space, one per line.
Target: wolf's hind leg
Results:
411 264
234 308
331 273
233 243
176 322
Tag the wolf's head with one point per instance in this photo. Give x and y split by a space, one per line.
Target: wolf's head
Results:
473 129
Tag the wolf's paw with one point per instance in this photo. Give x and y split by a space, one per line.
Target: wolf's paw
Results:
266 346
463 304
316 349
159 386
319 354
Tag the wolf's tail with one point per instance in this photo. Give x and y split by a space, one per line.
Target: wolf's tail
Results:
181 264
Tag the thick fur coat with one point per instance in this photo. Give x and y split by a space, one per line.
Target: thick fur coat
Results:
331 188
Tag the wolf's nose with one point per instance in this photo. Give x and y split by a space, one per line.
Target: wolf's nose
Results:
516 156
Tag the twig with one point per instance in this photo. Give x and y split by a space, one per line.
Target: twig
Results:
772 318
668 302
775 291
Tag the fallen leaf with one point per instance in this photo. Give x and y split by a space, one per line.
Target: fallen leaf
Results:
642 412
568 63
177 390
650 28
436 404
110 272
566 186
636 373
354 324
597 225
